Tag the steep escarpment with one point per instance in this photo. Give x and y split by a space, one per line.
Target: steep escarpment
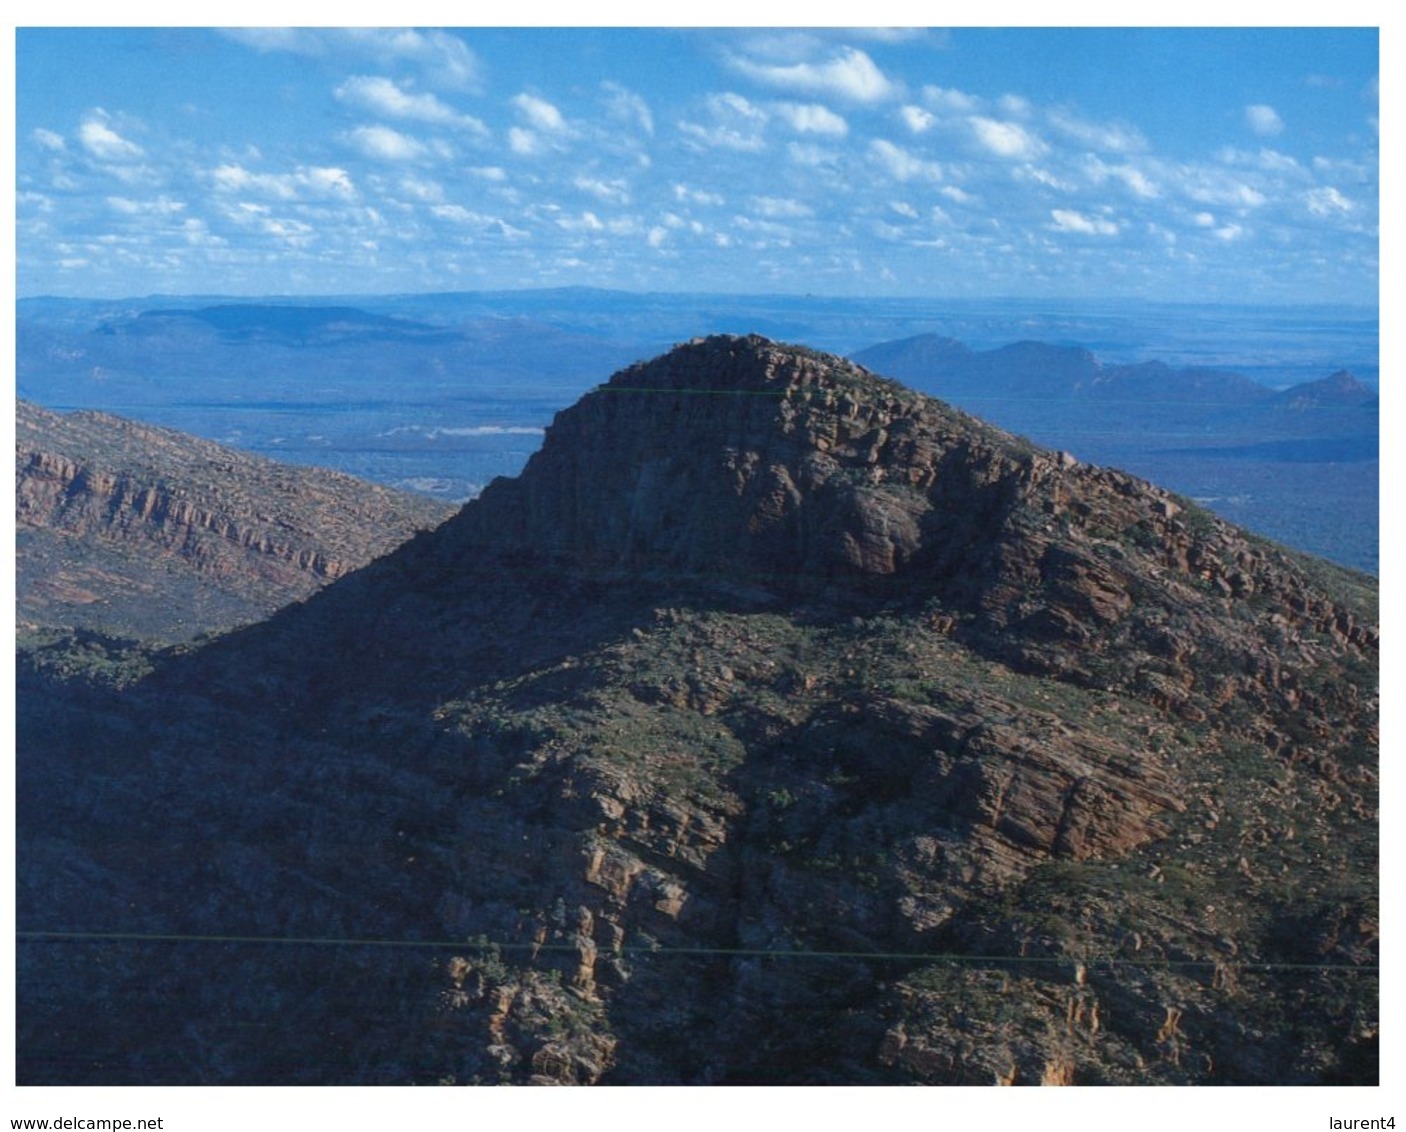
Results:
776 725
144 531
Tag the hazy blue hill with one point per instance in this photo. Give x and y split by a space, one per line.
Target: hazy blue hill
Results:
1157 382
1340 390
301 326
1050 372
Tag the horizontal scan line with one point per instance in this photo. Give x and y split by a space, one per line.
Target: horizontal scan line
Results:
666 951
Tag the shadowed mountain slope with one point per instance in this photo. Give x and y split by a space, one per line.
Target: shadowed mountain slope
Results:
777 724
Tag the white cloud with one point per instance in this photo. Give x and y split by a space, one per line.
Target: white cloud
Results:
627 106
769 233
1231 193
587 221
315 180
1263 120
162 206
850 75
384 97
1327 201
428 191
1015 105
235 178
896 35
1269 160
443 59
1229 232
488 225
953 193
780 208
327 181
49 140
293 233
459 214
1043 177
382 143
917 119
540 114
812 118
1067 220
198 234
903 208
1135 180
524 142
106 144
687 195
674 220
657 236
736 124
1344 169
612 192
1006 139
811 156
903 165
1277 162
545 129
950 101
1112 137
1204 220
300 41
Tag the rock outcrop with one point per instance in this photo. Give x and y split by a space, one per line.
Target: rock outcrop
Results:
144 531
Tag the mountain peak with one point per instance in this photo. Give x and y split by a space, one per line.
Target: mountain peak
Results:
728 362
799 476
1337 389
737 456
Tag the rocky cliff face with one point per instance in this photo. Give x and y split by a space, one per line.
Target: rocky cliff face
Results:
776 725
148 532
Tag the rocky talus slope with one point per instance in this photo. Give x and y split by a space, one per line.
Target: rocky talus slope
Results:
778 724
137 530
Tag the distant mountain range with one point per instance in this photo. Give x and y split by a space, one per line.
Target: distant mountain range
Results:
1027 381
777 724
441 393
296 326
1298 464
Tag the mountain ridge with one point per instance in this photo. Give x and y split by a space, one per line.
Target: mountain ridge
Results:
1030 772
115 518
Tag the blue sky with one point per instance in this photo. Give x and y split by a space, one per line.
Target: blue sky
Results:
1178 164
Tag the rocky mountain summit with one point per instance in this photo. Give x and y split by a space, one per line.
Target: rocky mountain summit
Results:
141 531
777 724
